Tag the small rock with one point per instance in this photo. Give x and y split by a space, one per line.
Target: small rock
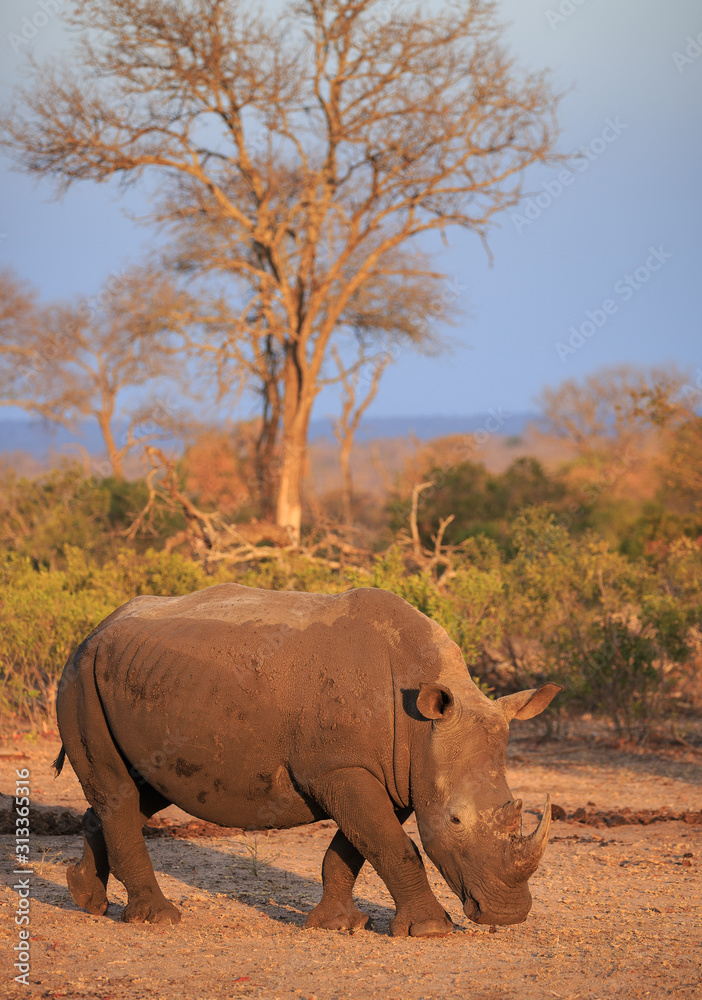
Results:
558 812
694 819
616 819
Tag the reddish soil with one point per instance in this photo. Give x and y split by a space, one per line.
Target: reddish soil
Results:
617 900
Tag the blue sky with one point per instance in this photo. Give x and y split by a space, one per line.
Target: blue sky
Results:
620 242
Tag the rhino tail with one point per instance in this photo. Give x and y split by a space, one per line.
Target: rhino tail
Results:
60 761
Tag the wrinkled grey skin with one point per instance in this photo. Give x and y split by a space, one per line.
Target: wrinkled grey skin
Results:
258 709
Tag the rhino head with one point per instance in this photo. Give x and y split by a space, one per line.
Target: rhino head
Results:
468 821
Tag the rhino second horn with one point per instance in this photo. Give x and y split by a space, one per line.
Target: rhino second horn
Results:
530 850
511 815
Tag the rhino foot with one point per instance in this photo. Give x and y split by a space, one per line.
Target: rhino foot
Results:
403 926
338 917
87 890
147 909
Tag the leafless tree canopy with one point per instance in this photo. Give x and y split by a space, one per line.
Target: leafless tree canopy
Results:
301 156
67 362
673 404
604 412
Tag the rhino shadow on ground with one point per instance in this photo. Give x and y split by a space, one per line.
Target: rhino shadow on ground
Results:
274 891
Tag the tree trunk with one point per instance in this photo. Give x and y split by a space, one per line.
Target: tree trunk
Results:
292 474
114 455
266 458
346 480
289 508
297 407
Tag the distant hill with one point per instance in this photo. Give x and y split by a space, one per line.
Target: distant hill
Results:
426 428
40 440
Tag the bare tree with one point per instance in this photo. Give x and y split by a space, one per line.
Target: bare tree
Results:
67 362
674 406
353 406
603 414
299 155
23 323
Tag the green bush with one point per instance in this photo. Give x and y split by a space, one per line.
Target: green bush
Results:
43 518
604 626
45 614
482 503
615 631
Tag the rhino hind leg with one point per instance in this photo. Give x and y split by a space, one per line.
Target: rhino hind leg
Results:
87 881
121 803
146 902
119 829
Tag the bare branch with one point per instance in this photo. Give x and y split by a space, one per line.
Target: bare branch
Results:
71 362
417 489
298 159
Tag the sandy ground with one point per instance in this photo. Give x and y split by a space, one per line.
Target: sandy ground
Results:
617 910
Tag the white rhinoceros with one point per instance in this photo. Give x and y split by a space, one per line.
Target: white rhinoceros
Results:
259 709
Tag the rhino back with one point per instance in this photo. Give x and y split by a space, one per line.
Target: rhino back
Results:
236 699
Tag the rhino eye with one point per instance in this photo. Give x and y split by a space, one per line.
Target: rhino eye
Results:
455 819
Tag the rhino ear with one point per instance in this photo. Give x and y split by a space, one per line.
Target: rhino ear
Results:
434 701
527 704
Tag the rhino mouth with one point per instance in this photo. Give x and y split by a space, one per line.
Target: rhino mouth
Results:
480 915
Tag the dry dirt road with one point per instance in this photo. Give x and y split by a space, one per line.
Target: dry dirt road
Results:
617 909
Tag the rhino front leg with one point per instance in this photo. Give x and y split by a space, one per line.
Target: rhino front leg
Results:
340 868
337 910
361 806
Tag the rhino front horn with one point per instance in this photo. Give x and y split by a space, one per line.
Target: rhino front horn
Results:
530 850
